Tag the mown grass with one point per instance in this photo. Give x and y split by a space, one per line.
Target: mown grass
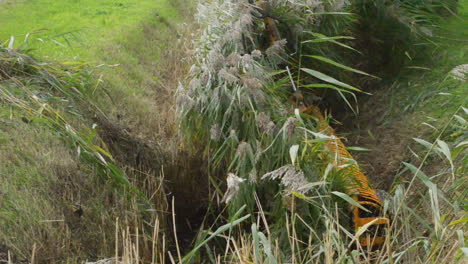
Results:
73 29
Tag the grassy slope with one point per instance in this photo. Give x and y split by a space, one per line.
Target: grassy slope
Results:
423 92
106 32
133 34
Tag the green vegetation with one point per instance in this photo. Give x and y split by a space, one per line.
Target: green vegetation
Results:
73 29
70 168
112 144
125 39
427 84
249 130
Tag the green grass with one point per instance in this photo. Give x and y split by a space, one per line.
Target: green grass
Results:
43 177
424 86
129 35
73 28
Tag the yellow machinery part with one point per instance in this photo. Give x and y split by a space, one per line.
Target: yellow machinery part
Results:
357 184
